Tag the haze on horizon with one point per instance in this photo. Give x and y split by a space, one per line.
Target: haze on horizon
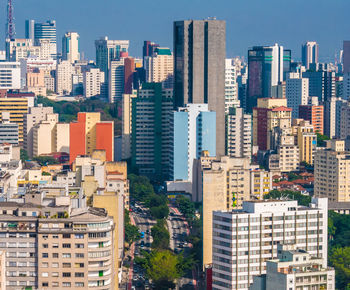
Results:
248 23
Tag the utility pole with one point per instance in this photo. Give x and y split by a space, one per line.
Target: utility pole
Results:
10 31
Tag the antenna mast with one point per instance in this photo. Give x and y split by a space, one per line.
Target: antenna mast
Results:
10 33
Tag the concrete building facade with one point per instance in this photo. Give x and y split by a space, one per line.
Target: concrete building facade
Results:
194 126
243 240
238 133
199 66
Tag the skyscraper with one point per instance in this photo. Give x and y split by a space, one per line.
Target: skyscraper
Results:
106 51
148 48
29 29
309 53
297 92
199 51
160 67
71 47
194 130
46 31
346 70
151 138
267 68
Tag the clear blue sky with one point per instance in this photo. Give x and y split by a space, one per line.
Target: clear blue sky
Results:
248 22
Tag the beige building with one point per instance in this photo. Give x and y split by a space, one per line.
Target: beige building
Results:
36 82
260 183
56 247
92 82
306 140
269 114
295 269
126 125
61 137
160 67
225 184
35 116
2 270
332 172
64 73
43 141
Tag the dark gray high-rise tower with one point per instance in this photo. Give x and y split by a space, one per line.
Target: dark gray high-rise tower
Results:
199 68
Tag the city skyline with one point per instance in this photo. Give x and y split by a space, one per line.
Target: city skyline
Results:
153 21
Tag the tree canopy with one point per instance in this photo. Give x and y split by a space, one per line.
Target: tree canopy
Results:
294 195
160 235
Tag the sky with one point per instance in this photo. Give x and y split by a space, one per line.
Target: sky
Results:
248 22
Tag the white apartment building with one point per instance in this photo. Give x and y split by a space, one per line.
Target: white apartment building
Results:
297 92
10 75
71 47
231 86
243 240
239 133
116 80
294 269
64 73
92 82
160 67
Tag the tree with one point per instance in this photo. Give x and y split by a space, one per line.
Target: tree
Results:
185 206
160 212
321 140
45 160
340 260
132 233
140 188
160 235
24 155
294 195
163 268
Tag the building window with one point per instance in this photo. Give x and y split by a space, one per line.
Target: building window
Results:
66 265
66 274
79 284
66 246
45 246
66 236
45 255
79 246
54 255
45 284
66 284
79 274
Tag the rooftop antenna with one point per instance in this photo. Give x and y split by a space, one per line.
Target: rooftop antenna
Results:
10 27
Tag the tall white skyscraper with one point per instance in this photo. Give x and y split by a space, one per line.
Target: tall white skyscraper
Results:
244 239
239 133
71 47
309 53
116 80
297 92
231 86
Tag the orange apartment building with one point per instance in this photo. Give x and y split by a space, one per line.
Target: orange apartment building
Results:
89 133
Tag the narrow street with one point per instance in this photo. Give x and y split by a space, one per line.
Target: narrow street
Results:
179 230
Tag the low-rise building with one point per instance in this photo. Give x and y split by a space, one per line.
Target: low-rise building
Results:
294 269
